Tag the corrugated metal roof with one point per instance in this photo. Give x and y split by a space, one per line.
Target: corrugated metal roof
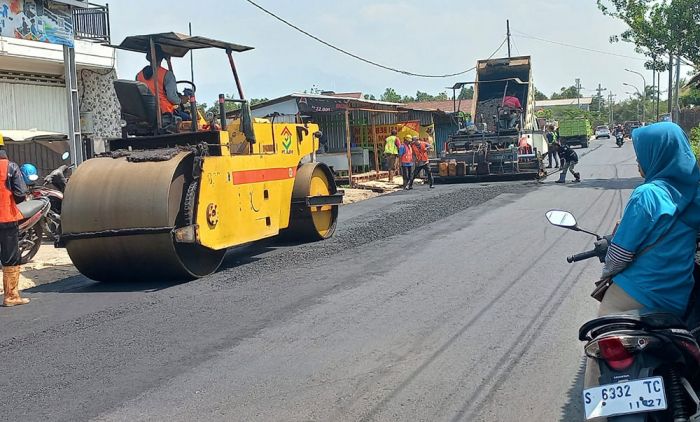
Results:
326 97
443 105
564 102
32 135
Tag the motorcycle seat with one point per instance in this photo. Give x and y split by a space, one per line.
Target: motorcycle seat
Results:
645 319
31 207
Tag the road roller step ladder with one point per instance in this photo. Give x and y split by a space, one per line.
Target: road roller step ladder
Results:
168 198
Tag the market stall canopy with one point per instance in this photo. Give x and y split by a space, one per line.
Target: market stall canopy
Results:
176 44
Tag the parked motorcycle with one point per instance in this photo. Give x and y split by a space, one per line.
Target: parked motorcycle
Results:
52 189
30 227
648 361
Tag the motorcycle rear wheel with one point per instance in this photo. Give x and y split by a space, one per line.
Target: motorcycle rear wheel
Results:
30 243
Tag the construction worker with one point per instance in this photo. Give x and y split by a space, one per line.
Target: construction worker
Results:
552 147
406 154
420 153
391 153
569 160
12 191
167 84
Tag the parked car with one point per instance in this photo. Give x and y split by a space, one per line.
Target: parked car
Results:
602 132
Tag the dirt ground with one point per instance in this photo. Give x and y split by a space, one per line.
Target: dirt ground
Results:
50 264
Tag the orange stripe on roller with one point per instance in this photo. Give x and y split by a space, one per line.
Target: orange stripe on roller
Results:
265 175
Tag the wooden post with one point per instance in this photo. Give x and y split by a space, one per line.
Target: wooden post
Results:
374 140
347 142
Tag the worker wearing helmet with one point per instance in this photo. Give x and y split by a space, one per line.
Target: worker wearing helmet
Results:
12 191
168 97
29 174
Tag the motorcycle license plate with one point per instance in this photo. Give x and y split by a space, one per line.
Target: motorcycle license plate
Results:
642 395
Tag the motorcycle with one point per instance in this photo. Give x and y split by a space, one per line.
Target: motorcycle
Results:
57 178
648 361
619 139
30 227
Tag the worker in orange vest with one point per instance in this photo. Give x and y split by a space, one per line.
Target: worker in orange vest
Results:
406 154
167 85
12 191
420 153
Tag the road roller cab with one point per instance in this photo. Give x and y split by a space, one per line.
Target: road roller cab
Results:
166 203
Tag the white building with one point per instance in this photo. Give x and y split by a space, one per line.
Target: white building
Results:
32 68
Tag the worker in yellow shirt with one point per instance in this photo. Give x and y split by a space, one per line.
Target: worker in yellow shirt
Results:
391 153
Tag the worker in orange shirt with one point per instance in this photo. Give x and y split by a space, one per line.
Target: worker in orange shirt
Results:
12 190
168 97
420 154
406 154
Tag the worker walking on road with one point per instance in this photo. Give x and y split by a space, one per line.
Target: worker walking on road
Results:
406 154
552 147
569 160
12 191
420 153
391 152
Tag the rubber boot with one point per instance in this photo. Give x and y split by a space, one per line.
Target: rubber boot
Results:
10 281
562 178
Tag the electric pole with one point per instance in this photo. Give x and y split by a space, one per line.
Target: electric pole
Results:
508 35
578 92
610 105
670 84
676 95
600 97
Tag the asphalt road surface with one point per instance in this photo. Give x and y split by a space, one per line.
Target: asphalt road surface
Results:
451 304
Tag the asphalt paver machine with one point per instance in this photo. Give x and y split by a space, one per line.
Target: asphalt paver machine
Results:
169 197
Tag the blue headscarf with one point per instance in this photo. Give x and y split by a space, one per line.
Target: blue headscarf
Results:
664 154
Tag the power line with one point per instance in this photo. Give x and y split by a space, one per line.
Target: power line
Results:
592 50
355 56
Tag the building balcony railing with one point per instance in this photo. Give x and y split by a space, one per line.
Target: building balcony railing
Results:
91 23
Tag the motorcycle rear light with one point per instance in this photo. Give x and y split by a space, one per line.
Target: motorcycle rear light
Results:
615 353
691 348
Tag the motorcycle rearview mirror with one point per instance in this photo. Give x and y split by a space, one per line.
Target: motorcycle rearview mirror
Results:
65 156
561 219
566 220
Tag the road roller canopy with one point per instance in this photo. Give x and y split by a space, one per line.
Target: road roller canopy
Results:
175 44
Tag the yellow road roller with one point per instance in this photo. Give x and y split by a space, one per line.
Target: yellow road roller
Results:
169 197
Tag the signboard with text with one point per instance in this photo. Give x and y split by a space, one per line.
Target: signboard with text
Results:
37 20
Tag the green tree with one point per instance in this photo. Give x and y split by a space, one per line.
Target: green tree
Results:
369 97
229 106
441 96
423 96
466 93
539 95
390 96
565 93
658 28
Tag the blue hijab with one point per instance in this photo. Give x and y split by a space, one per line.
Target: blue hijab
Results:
660 276
664 154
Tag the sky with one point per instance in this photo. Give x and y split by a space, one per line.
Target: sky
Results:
432 37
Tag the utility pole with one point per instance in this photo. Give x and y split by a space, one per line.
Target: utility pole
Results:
600 96
658 94
508 35
578 92
670 84
644 91
677 103
610 105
